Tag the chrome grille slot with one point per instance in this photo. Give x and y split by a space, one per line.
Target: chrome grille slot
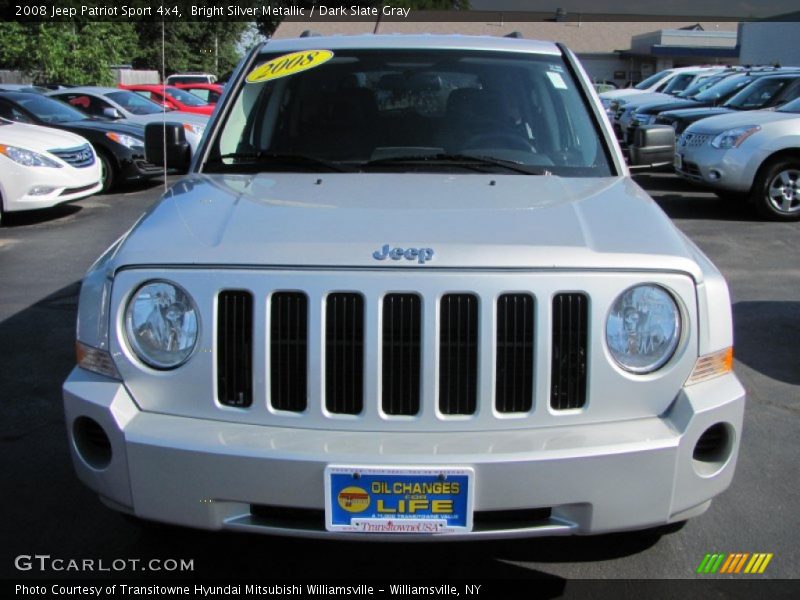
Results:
400 371
289 351
514 376
344 353
458 354
235 348
569 351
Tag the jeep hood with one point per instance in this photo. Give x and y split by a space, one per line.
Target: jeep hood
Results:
468 220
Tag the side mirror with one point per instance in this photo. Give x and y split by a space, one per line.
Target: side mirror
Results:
111 113
652 145
165 144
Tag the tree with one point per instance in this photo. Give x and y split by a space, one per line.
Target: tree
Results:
76 52
208 46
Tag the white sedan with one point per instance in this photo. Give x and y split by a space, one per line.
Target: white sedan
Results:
41 167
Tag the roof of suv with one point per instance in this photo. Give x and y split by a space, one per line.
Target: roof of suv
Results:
456 42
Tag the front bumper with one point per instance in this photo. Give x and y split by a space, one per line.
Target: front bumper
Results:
729 170
134 167
594 478
66 184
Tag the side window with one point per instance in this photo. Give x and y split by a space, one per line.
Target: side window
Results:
10 112
663 85
791 92
81 102
680 83
202 94
91 105
96 106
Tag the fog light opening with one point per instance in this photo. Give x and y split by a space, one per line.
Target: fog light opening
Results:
713 449
92 443
715 175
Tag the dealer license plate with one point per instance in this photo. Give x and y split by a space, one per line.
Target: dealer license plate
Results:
678 161
398 500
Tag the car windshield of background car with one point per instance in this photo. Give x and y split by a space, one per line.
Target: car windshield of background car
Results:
791 107
49 110
650 81
135 103
185 97
757 94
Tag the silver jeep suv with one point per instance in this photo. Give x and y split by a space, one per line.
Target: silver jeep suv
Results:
407 289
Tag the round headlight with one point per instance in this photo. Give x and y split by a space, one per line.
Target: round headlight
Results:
161 324
643 328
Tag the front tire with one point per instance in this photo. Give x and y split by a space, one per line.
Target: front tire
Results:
107 174
776 192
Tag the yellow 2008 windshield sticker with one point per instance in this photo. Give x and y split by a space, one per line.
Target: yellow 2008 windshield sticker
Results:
289 64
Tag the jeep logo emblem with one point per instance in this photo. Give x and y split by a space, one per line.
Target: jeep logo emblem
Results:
422 255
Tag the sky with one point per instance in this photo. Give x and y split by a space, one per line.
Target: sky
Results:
728 8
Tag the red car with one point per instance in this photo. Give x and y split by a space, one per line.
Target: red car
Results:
171 97
209 92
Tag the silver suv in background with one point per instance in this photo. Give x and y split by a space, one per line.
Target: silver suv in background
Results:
754 154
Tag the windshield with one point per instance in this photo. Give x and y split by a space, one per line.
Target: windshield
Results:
725 88
49 110
134 103
415 110
758 94
791 107
679 83
652 80
185 97
700 85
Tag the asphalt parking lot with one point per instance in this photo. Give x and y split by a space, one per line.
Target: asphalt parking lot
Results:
45 510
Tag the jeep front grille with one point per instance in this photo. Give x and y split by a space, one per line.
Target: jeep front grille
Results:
344 353
569 351
235 348
402 335
402 349
458 354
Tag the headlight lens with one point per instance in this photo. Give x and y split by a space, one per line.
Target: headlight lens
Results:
643 328
128 141
161 324
27 158
732 138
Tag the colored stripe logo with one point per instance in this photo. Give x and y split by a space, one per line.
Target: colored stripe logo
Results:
734 563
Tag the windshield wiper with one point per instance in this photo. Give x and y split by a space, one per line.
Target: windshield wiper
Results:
273 158
472 161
